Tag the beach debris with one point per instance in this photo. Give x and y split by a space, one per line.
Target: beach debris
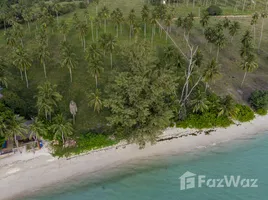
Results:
70 143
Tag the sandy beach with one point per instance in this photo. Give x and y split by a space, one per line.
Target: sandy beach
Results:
26 173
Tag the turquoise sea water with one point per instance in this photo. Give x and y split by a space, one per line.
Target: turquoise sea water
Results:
157 178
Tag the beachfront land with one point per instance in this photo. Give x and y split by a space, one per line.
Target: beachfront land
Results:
89 75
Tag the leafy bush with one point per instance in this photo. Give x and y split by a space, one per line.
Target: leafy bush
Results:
214 10
207 119
244 113
261 111
82 5
85 143
259 99
66 8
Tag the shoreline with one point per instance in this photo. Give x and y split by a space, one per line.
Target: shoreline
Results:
27 174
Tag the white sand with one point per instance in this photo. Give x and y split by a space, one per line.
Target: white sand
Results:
23 173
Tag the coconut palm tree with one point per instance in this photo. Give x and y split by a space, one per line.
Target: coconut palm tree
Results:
10 38
92 52
226 23
247 46
145 17
3 77
94 100
23 62
97 26
263 16
168 22
204 21
91 19
131 20
200 103
61 128
43 55
86 16
211 72
105 16
18 32
83 31
96 2
248 64
56 8
15 127
27 16
233 29
64 29
103 42
119 19
227 107
219 42
153 22
37 130
47 98
68 58
110 46
95 68
253 22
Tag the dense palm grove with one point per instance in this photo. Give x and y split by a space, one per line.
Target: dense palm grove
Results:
148 82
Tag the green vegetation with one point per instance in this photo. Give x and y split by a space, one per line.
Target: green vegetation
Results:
259 99
244 113
82 70
86 142
214 10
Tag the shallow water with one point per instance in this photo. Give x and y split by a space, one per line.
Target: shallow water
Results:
158 177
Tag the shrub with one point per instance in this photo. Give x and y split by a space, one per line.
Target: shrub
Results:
207 119
214 10
82 5
244 113
85 143
261 111
259 99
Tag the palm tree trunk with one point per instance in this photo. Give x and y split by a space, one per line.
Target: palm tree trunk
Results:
254 33
152 36
218 50
111 58
71 75
92 31
46 114
244 78
17 143
105 21
62 136
130 29
26 78
84 41
145 30
28 25
21 76
206 87
64 37
96 80
96 10
45 71
262 25
244 4
210 50
73 119
117 31
97 34
57 13
121 30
